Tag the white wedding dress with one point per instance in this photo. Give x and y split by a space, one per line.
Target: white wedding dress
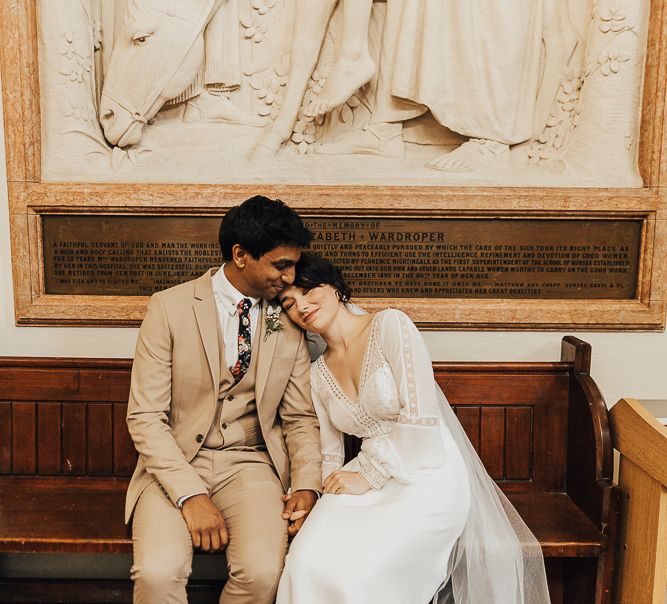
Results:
392 544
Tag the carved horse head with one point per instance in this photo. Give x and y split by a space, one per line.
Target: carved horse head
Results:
157 54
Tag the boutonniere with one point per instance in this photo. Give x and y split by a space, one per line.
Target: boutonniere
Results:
272 322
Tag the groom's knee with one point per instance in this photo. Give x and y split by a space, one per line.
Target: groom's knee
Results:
258 575
160 579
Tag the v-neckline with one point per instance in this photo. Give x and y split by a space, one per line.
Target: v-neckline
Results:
364 367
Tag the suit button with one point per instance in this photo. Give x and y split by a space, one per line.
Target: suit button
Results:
224 425
199 438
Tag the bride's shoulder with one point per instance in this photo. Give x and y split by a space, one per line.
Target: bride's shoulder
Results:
315 374
393 317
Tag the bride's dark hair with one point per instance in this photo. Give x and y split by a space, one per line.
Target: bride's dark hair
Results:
312 271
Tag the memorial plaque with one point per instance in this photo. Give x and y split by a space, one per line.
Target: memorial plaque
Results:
567 231
126 255
381 258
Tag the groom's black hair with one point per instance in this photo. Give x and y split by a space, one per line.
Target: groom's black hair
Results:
312 270
260 225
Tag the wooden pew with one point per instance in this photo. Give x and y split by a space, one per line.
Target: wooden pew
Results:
65 457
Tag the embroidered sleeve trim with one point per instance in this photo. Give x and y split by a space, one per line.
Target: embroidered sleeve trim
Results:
418 421
373 475
335 459
408 362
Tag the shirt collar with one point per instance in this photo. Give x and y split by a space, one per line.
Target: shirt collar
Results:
226 294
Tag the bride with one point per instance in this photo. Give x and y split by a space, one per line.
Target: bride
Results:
414 517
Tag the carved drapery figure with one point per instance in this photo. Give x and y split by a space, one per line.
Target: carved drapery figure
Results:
572 68
476 66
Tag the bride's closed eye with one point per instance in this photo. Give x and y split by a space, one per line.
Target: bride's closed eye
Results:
288 302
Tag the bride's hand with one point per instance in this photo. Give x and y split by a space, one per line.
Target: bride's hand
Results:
348 483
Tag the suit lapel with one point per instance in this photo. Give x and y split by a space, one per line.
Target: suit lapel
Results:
206 316
267 348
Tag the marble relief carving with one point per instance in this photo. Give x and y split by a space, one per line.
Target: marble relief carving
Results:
430 92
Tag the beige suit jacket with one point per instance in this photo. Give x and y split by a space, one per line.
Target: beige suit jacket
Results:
174 393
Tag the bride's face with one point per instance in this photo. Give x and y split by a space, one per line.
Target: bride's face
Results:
311 309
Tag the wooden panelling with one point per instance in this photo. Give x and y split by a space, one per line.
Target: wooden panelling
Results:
49 449
24 438
5 438
538 456
74 439
470 420
518 443
53 379
550 443
103 447
502 389
68 438
511 413
99 450
41 384
103 385
507 451
124 454
492 441
70 414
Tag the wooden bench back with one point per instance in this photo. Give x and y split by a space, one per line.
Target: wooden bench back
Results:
67 417
537 426
515 415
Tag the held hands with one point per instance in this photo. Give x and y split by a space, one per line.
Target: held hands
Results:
205 523
297 506
342 482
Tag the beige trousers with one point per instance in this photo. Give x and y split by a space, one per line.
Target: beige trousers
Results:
248 493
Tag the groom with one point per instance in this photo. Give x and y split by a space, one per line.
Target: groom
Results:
221 415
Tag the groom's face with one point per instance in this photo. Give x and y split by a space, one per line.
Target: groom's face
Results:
268 275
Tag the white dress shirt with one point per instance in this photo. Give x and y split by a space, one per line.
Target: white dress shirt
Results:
227 299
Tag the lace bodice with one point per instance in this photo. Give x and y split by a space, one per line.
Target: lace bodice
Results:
396 401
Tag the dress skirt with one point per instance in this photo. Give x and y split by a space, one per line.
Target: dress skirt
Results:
388 546
482 83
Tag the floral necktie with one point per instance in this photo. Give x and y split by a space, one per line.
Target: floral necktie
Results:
243 362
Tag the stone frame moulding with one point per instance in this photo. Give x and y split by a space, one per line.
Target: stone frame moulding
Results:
30 197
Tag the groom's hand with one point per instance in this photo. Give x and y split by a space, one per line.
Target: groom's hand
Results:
205 523
298 505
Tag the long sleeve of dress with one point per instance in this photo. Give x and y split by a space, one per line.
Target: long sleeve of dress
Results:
415 440
331 439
